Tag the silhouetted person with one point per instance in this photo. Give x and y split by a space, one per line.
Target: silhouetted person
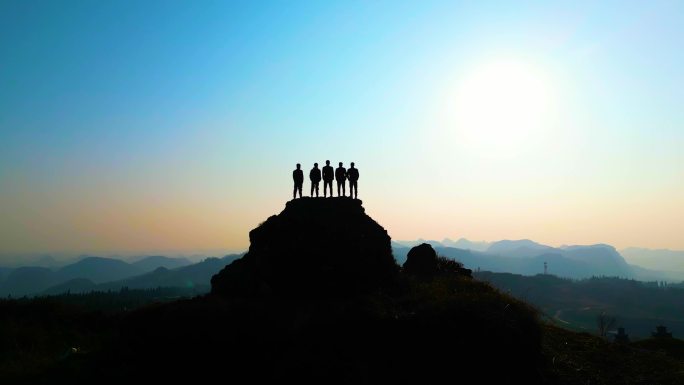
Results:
341 178
353 176
328 177
298 177
315 177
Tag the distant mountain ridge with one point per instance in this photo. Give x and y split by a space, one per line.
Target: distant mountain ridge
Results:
27 280
657 259
461 243
196 275
98 270
31 280
154 261
528 257
519 248
193 275
512 256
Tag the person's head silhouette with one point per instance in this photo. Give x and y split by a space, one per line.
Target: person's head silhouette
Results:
315 164
352 164
340 164
298 166
327 163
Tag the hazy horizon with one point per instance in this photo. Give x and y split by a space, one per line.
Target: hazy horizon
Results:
67 255
175 126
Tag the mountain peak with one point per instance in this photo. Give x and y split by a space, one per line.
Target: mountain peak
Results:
508 245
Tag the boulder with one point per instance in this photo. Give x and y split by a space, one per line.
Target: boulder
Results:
421 260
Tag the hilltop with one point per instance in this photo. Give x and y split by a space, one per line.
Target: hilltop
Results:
314 247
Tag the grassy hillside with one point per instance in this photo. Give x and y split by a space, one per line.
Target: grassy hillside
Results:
638 306
580 358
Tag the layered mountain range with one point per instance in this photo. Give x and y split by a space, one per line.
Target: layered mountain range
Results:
528 258
525 257
97 273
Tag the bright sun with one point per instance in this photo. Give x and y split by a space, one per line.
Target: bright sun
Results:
500 108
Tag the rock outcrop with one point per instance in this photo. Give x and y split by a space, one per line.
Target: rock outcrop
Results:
422 261
316 247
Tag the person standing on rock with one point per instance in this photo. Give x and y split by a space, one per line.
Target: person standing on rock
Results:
353 176
315 177
298 177
341 178
328 177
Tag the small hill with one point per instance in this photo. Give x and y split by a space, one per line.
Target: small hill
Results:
4 272
190 276
76 285
672 347
98 270
27 280
155 261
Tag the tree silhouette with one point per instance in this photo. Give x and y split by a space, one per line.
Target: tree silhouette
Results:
605 322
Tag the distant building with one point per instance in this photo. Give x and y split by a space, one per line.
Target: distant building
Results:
661 332
621 337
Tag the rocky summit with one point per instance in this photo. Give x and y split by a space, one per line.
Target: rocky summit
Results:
316 247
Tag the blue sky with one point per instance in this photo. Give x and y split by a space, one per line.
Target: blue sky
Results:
134 126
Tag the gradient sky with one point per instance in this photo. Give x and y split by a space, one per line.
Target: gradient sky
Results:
130 127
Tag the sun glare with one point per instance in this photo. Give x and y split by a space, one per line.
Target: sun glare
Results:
500 108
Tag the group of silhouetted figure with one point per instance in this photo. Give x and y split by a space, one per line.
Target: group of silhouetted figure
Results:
341 175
